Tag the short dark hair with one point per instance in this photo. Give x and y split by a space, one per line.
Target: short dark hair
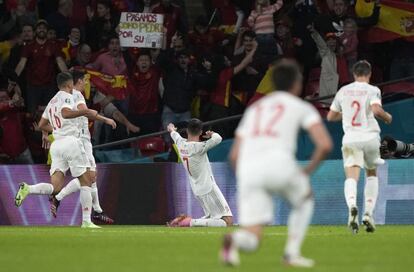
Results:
194 127
63 78
285 74
361 68
144 52
76 75
250 34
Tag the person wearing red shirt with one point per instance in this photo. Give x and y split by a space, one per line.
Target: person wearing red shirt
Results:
203 39
40 58
173 18
144 96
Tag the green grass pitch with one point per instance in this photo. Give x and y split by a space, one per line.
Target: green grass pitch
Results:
161 249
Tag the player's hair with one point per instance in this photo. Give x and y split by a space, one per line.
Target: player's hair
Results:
77 75
194 127
63 78
285 74
361 68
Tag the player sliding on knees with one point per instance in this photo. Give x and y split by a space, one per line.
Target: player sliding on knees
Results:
85 138
193 154
263 155
67 151
357 105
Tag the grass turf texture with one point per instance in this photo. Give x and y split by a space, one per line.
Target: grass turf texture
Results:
196 249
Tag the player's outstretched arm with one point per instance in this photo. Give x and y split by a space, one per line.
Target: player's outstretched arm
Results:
380 113
323 146
174 134
67 113
214 140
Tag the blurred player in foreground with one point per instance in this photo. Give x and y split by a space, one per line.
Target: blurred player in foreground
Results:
357 105
67 150
193 153
85 138
263 155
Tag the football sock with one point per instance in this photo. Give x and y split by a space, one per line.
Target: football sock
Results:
298 222
95 198
350 192
41 189
86 203
245 240
208 222
71 187
371 194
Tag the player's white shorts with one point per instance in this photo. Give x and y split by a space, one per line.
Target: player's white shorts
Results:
68 153
363 154
258 184
87 145
214 204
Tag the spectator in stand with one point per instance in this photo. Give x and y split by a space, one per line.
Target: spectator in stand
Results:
59 20
15 53
334 22
144 97
40 58
13 38
83 56
51 34
204 39
286 44
12 140
220 96
79 16
111 62
349 42
261 21
178 81
22 11
101 24
71 46
334 70
230 15
142 6
173 18
402 64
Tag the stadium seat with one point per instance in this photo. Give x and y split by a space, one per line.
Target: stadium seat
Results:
150 146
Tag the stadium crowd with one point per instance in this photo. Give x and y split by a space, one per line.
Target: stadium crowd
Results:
210 69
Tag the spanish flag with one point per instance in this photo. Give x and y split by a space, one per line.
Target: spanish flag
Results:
396 20
116 86
265 86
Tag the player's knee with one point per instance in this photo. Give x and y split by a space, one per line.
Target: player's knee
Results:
228 220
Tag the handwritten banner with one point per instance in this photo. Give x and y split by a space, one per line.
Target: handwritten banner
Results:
143 30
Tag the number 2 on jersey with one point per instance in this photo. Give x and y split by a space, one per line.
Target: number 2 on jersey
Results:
355 104
54 118
185 159
269 129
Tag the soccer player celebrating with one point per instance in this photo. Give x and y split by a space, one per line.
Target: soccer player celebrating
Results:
67 151
357 105
85 138
263 155
193 153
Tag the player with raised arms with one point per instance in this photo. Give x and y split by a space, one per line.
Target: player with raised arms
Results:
67 151
264 158
357 105
193 153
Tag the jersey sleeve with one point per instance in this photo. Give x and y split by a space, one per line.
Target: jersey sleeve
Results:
176 137
310 117
79 99
209 144
375 97
336 104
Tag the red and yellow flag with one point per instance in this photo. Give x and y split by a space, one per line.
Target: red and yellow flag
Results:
396 20
265 86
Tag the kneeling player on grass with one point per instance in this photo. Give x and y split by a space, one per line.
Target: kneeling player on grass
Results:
264 157
357 105
193 153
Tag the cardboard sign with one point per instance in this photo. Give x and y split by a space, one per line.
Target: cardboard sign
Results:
143 30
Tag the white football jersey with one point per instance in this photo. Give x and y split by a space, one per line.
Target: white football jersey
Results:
83 121
61 127
354 101
196 162
270 127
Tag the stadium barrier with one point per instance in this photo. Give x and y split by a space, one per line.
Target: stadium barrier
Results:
146 194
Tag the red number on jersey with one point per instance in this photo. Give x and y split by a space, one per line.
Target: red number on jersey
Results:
355 104
56 119
270 126
188 165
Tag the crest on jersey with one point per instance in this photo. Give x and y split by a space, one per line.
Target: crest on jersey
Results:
67 100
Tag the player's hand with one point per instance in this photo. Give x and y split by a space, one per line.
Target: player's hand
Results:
171 127
208 134
110 122
45 141
389 119
132 128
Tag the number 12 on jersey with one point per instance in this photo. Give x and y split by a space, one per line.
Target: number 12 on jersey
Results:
269 129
